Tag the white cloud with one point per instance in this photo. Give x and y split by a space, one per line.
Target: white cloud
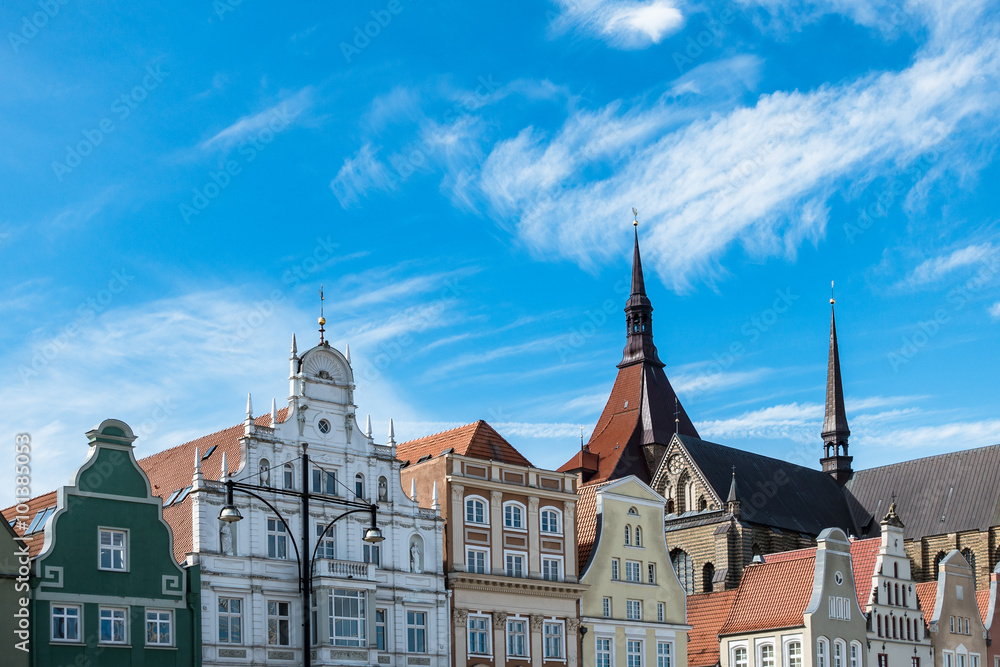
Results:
360 174
937 268
274 119
625 24
705 378
995 310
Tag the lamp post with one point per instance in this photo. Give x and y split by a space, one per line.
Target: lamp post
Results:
305 559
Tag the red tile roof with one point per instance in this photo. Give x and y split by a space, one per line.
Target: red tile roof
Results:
478 440
864 553
586 521
927 598
706 613
983 600
771 595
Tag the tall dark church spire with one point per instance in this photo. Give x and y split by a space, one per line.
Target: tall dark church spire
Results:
835 429
638 316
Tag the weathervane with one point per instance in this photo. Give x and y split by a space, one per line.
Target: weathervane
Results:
832 300
322 320
677 415
635 217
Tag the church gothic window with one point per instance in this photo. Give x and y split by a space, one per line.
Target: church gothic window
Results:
707 577
684 567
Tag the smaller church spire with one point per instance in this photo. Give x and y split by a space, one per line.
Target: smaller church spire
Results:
638 314
368 427
733 499
836 432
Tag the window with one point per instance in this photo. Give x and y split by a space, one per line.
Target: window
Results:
660 609
855 655
967 627
113 550
551 569
324 482
952 624
39 521
948 659
517 638
914 662
475 510
838 654
112 625
479 635
973 660
550 521
684 567
651 573
633 653
707 578
628 535
265 473
158 628
371 553
327 547
476 560
663 654
65 623
638 536
883 660
277 538
288 475
416 631
514 564
633 610
767 655
324 426
632 570
359 485
602 650
230 621
614 569
739 657
513 516
961 660
347 617
821 651
380 630
606 607
278 623
553 637
794 654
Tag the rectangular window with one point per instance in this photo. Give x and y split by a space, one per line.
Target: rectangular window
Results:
664 655
517 639
289 476
633 610
278 621
327 547
324 482
371 553
651 573
633 653
230 621
961 660
602 650
883 660
953 624
416 631
632 570
347 617
607 607
794 654
112 625
277 538
515 565
614 569
967 627
949 659
660 609
380 629
65 623
767 655
553 636
113 550
479 635
973 660
550 569
476 560
159 631
914 662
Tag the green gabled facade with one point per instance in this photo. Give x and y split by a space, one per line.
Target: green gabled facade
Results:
107 590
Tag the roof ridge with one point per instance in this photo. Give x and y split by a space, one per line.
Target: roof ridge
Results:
932 456
746 451
431 435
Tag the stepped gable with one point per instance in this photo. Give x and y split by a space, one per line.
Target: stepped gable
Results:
477 440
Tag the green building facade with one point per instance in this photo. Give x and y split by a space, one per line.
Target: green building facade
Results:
107 590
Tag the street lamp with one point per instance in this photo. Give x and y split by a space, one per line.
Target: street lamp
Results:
373 535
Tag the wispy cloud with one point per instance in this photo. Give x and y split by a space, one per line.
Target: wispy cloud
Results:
360 174
936 269
995 310
625 24
274 118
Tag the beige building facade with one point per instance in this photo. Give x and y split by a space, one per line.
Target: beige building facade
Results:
956 627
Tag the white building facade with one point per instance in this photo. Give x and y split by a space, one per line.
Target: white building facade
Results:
382 604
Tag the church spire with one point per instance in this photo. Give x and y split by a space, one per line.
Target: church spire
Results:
638 315
835 429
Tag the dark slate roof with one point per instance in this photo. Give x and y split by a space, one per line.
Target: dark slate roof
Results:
939 494
801 499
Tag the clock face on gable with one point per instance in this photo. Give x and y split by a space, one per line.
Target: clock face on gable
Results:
675 464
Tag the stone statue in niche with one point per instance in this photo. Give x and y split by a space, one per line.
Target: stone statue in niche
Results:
415 564
226 546
383 490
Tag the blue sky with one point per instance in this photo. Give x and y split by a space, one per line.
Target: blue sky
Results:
176 183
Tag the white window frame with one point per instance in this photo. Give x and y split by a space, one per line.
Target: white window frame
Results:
384 625
606 609
615 569
113 548
329 542
65 616
631 604
629 641
526 655
549 623
760 654
417 628
610 653
628 534
822 652
229 616
279 530
787 652
650 573
278 618
485 620
372 553
288 476
661 612
486 511
558 519
481 551
348 596
523 555
839 653
636 566
664 658
162 616
521 513
123 619
637 542
733 661
558 560
854 654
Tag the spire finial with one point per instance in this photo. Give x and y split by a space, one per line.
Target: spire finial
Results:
832 300
274 413
677 415
435 503
392 433
413 489
581 438
295 348
249 406
635 217
197 460
347 352
322 320
734 494
368 426
225 468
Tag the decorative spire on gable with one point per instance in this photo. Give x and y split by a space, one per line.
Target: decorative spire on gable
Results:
638 315
835 429
733 499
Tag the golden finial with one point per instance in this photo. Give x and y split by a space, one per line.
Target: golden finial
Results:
832 300
635 217
322 320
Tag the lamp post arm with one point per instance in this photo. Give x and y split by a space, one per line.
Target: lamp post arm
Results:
370 508
247 489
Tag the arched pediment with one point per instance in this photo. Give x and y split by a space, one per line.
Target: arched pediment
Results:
326 364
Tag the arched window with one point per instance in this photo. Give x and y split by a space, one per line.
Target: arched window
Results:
632 512
739 657
628 535
971 558
794 652
551 519
671 508
702 506
895 627
916 630
766 655
878 623
937 562
684 568
513 515
289 475
855 654
839 649
822 651
682 499
904 595
638 536
359 486
265 473
475 510
895 570
707 578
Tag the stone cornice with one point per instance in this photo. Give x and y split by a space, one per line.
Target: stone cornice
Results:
538 587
